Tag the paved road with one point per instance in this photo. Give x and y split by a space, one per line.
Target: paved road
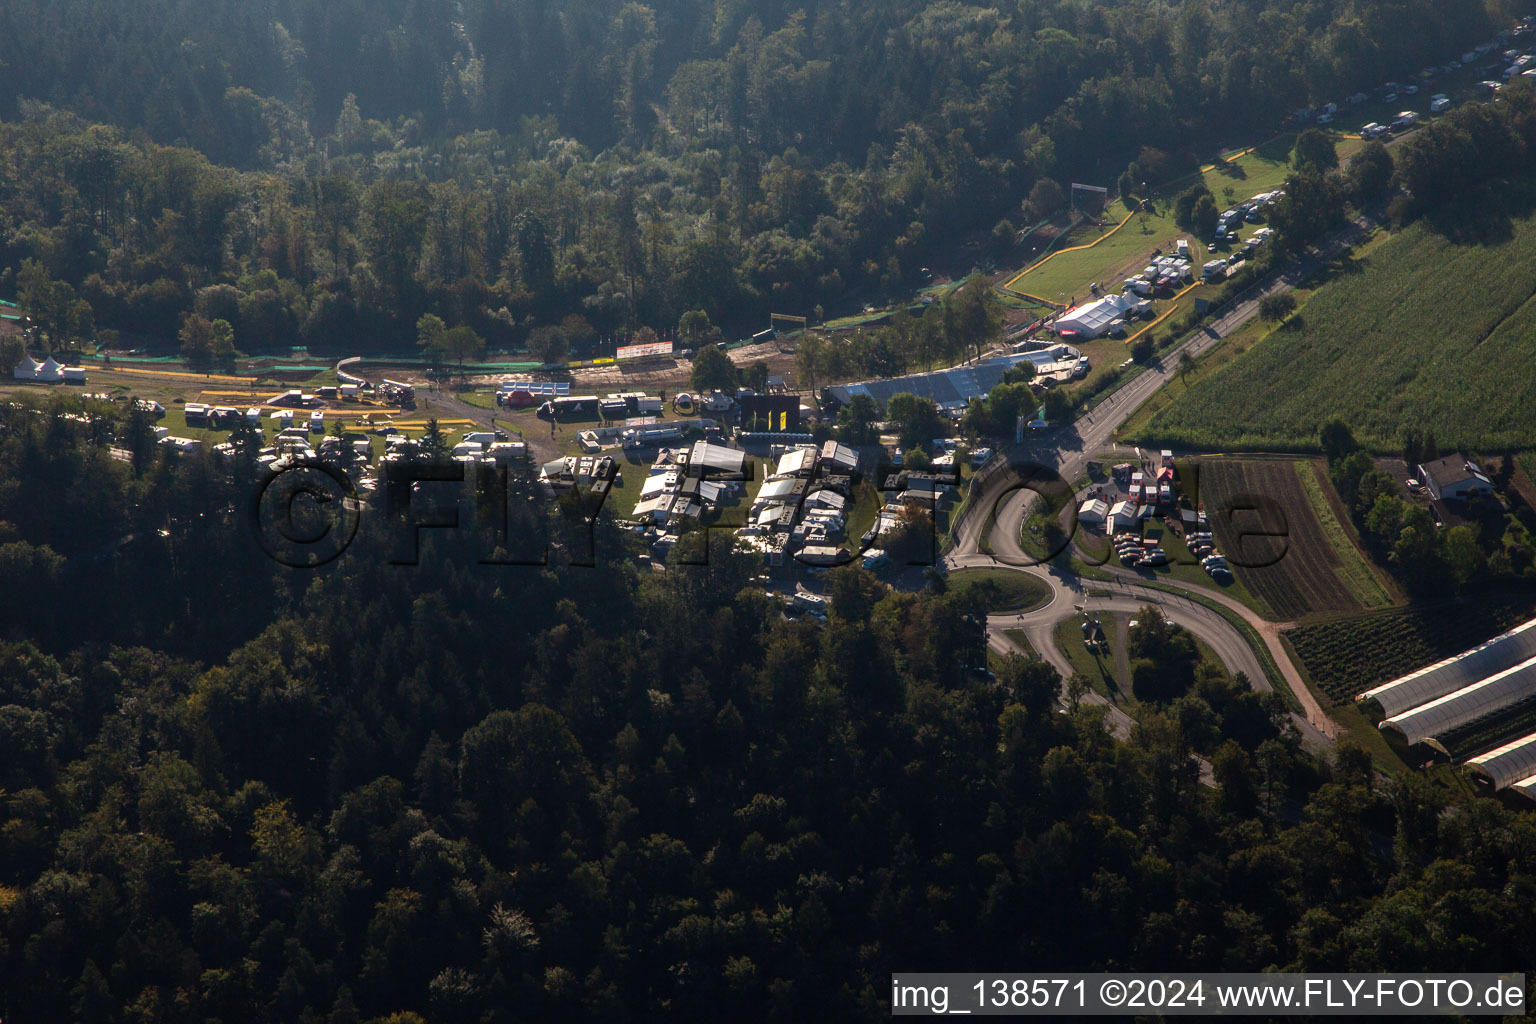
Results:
1119 723
1070 596
1068 449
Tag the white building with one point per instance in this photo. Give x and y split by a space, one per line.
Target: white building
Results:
1428 722
1096 319
49 371
839 458
1093 512
1509 765
1123 516
1454 477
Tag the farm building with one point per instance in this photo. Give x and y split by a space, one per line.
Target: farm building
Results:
1503 651
1096 319
666 508
797 462
1428 722
1454 477
781 491
823 554
1506 766
714 460
826 499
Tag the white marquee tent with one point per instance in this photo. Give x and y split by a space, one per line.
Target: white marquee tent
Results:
1094 319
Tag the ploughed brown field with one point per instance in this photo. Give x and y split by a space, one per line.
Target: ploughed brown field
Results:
1266 527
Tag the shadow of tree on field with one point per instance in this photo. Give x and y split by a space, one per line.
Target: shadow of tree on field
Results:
1347 265
1485 217
1230 169
1471 225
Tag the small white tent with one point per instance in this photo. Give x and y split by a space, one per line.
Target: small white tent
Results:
1093 512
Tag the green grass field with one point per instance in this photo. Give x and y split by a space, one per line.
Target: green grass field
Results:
1263 170
1097 668
1003 590
478 399
1429 329
1021 639
1219 355
1068 274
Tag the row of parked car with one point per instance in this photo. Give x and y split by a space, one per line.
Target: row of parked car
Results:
1249 212
1202 544
1217 269
1519 63
1134 551
1404 119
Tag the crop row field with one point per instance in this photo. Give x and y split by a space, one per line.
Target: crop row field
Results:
1357 573
1268 527
1430 329
1345 657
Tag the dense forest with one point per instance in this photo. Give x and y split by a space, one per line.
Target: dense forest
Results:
454 792
438 789
325 174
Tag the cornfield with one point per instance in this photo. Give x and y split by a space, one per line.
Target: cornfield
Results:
1423 332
